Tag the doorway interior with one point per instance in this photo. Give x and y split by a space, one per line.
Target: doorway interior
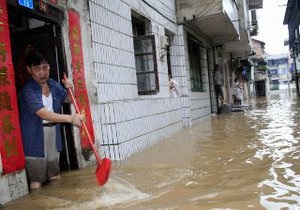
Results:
32 29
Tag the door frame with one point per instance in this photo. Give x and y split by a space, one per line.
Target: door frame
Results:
55 18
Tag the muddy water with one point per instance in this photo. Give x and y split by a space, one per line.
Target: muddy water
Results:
245 160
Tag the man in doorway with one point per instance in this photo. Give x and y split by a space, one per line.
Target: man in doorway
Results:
218 87
40 102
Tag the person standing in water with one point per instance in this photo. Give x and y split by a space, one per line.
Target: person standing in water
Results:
40 115
238 96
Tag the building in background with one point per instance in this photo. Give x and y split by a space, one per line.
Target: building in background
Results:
223 30
279 70
259 73
291 19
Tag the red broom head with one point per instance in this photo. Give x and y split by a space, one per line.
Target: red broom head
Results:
103 171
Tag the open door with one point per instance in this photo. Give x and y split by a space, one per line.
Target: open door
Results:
28 31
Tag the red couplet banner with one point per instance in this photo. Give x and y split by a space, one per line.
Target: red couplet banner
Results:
78 75
11 148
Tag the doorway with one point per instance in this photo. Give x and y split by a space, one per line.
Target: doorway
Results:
31 29
260 87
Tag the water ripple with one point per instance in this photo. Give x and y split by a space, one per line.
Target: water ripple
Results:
278 140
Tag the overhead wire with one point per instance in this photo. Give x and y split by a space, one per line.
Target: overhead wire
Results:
158 11
203 12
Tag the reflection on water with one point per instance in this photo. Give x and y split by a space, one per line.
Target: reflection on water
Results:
279 141
245 160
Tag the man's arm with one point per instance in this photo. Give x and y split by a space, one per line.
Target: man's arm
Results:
58 118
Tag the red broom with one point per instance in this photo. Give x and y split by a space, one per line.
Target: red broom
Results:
104 165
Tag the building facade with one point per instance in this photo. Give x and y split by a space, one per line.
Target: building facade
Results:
120 55
291 19
279 69
259 74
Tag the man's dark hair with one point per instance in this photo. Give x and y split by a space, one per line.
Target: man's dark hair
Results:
35 58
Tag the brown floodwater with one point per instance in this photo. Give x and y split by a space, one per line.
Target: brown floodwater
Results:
243 160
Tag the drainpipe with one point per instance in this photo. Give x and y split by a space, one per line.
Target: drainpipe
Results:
296 77
209 82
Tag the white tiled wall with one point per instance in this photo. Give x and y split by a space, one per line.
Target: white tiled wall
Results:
13 186
198 102
143 122
126 122
180 73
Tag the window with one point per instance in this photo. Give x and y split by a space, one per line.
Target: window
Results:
138 26
170 38
169 61
145 62
145 58
195 64
274 71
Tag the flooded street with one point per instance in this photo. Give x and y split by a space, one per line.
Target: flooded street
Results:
245 160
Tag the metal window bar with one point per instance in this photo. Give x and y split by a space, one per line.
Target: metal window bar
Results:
146 64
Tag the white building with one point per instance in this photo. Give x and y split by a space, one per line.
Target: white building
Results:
279 70
129 50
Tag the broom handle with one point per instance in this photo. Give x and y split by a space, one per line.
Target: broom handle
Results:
84 125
